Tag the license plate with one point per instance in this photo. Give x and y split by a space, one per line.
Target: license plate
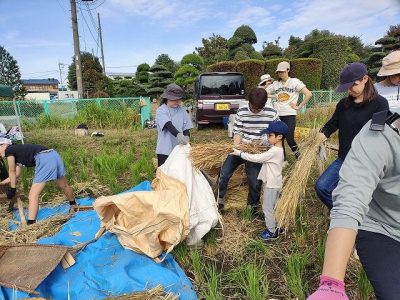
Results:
222 106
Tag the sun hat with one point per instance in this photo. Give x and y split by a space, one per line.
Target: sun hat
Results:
5 141
349 75
390 64
173 92
276 127
283 66
264 78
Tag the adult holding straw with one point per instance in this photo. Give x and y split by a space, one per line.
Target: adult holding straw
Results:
366 212
48 166
286 92
350 115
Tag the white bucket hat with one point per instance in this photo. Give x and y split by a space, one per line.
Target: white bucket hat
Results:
264 78
390 64
5 141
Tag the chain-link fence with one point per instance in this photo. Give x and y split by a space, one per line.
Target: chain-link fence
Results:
324 97
28 110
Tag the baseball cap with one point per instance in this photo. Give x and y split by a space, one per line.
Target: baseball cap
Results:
276 127
264 78
349 75
283 66
173 92
5 141
390 64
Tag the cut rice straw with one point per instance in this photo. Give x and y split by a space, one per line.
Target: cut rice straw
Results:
296 183
156 293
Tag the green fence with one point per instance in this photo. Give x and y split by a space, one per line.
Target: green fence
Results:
29 110
324 97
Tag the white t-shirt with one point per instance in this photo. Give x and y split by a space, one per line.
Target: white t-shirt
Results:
391 93
285 95
272 165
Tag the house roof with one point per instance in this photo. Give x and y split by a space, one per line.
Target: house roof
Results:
47 81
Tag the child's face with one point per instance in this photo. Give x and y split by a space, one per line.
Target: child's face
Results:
174 103
274 138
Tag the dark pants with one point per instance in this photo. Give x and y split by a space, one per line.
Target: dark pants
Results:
328 181
161 158
231 163
379 255
290 121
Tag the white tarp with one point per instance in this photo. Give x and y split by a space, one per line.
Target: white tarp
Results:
203 208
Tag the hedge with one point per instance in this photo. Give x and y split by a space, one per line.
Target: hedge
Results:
333 53
252 70
223 66
308 70
271 64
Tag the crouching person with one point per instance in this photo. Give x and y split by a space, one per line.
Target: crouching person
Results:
270 174
48 166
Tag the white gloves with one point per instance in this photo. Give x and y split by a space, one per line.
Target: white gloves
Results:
322 152
236 152
182 139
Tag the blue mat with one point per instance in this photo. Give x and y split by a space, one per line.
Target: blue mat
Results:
103 268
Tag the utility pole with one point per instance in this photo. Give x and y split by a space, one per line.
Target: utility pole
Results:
77 51
101 44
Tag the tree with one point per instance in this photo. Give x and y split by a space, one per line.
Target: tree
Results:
271 50
191 66
166 61
159 78
294 47
142 73
193 59
9 73
242 40
214 49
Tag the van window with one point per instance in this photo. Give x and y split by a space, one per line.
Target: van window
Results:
226 84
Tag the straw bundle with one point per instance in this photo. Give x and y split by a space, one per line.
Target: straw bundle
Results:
156 293
296 183
210 156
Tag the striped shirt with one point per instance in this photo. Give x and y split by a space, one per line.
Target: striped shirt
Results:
249 125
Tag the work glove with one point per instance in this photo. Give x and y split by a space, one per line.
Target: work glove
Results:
322 152
264 140
182 139
329 289
321 137
11 192
236 152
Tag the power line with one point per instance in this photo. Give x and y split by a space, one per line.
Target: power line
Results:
134 66
63 9
41 72
84 19
93 3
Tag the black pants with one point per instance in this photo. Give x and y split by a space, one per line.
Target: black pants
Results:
161 158
379 255
290 121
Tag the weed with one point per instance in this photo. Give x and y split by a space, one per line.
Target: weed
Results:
300 226
211 237
321 249
258 246
365 288
197 265
295 266
213 286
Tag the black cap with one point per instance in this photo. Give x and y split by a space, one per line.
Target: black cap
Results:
173 92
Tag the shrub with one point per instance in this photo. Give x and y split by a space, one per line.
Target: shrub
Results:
333 53
271 64
308 70
252 70
223 66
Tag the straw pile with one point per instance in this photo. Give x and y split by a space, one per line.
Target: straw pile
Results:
296 183
156 293
209 157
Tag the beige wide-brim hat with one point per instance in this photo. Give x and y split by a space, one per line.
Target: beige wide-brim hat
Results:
390 64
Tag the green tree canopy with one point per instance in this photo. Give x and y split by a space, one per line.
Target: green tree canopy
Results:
142 73
9 72
271 50
242 40
194 60
166 61
214 49
159 78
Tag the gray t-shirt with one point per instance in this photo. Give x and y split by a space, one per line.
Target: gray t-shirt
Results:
179 118
368 194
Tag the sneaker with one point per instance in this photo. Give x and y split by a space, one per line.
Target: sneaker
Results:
267 235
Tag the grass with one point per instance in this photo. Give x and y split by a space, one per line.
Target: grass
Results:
234 264
365 289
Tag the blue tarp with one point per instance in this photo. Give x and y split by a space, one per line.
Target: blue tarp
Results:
103 268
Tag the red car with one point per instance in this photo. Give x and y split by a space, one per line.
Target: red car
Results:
217 95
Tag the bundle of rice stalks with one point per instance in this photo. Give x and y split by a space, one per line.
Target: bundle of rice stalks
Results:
296 183
210 156
156 293
31 233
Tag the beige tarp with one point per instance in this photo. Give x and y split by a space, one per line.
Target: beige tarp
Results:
148 222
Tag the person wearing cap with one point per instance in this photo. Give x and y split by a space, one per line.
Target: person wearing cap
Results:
366 212
265 81
350 115
173 122
270 174
48 166
250 121
390 86
287 91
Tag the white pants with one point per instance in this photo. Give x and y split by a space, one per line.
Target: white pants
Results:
270 198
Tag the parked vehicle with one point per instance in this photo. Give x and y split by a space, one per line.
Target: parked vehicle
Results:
217 95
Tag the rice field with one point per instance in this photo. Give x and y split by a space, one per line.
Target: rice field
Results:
234 263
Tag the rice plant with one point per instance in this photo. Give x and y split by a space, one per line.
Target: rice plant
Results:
300 225
197 265
258 246
294 275
213 283
365 288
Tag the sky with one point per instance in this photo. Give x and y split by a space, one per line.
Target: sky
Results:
38 33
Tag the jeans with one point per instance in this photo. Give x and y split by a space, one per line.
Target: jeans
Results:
290 121
379 255
231 163
328 181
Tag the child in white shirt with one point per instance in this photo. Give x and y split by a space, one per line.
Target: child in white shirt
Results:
270 173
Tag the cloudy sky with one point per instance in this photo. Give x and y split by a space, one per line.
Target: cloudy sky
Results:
38 32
